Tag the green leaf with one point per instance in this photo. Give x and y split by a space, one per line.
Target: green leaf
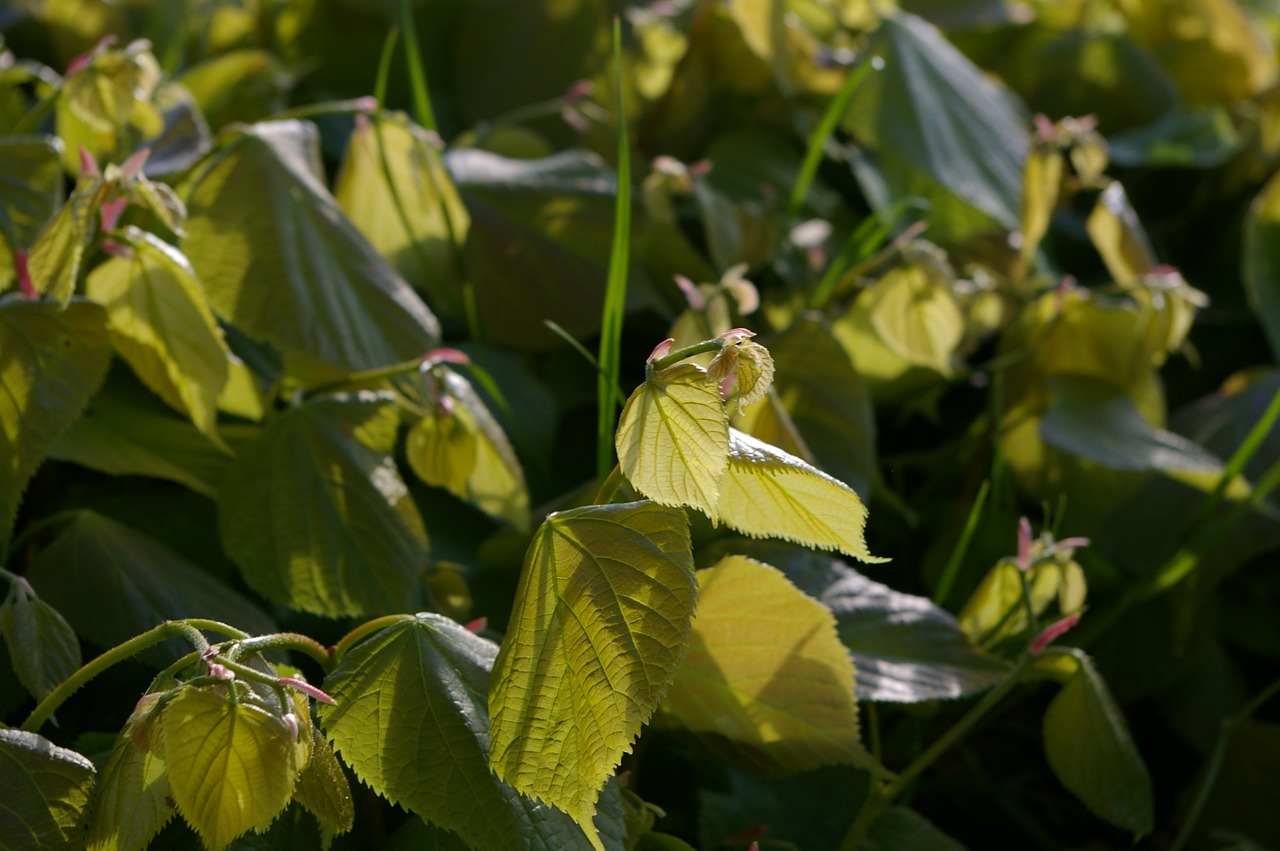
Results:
161 324
31 190
239 85
466 451
915 314
131 801
316 515
280 260
1089 749
42 646
826 401
902 829
113 583
1118 235
673 439
931 112
767 493
54 360
1262 260
423 251
766 682
46 793
905 649
797 809
58 249
127 431
411 718
600 621
323 788
1090 419
231 765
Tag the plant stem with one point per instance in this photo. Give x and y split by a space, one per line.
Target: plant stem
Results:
367 376
673 358
880 799
948 577
304 644
329 107
362 632
169 629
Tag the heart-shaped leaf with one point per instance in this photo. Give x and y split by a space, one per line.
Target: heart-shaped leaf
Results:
46 792
42 646
600 621
131 800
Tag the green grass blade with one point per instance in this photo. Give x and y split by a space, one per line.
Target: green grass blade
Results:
615 298
818 141
962 546
384 66
1236 464
417 75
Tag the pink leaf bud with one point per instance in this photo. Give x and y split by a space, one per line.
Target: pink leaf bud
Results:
1024 544
661 350
88 165
25 286
111 211
221 672
306 688
133 166
477 625
692 294
1053 631
444 355
291 722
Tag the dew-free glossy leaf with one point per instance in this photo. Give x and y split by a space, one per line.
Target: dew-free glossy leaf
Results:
600 621
278 257
1118 235
411 718
323 789
113 583
231 766
129 804
1090 750
915 314
128 431
766 681
316 515
46 792
58 249
42 646
54 360
1092 420
766 492
673 439
1262 259
425 253
161 324
1041 185
31 187
466 451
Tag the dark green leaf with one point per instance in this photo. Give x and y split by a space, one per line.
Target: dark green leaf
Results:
316 515
42 645
411 719
901 829
279 258
323 789
113 583
54 360
1262 260
46 790
31 187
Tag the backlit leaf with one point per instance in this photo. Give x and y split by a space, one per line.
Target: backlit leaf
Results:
411 718
1262 260
31 190
58 249
112 583
323 788
279 259
54 360
673 439
1118 235
129 804
231 766
46 793
1089 749
916 315
767 493
766 681
42 646
316 515
161 324
425 253
1092 420
600 621
466 451
1041 184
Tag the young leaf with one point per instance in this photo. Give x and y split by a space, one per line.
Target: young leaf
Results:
466 451
767 493
231 766
323 789
42 646
58 249
1041 185
280 260
130 802
1089 749
411 718
600 621
316 515
46 792
113 583
899 828
54 360
161 324
766 681
673 439
915 314
1118 235
30 193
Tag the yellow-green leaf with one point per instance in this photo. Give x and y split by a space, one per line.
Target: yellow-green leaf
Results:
161 324
323 788
916 315
1041 184
466 451
1118 235
46 790
58 249
768 493
231 766
673 439
766 681
31 184
425 252
600 621
128 804
996 610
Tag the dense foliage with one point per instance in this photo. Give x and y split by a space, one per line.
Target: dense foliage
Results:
496 424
